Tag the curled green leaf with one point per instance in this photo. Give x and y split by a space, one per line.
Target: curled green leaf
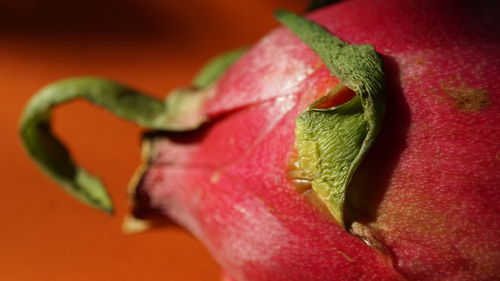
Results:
331 142
180 111
52 156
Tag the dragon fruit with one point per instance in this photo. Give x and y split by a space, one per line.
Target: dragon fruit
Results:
280 160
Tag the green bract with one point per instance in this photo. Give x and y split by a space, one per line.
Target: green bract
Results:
332 142
178 112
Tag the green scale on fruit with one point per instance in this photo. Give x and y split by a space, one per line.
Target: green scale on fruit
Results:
332 141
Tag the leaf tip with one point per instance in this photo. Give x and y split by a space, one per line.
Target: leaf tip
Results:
109 210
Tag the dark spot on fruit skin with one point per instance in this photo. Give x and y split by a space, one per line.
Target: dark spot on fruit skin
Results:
467 98
419 60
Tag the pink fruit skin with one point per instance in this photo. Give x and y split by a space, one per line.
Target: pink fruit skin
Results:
428 189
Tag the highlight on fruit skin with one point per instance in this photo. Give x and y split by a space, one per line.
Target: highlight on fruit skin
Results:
359 142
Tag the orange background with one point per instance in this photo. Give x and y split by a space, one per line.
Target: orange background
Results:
151 45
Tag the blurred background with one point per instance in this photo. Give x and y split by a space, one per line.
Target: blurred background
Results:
151 45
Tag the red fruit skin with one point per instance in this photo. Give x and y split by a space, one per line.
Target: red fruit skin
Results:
428 190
